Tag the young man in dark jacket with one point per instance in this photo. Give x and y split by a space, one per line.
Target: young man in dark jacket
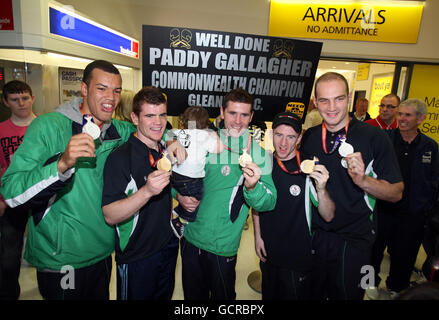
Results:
137 200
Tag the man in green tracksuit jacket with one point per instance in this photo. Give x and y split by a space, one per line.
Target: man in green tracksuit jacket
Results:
57 173
210 243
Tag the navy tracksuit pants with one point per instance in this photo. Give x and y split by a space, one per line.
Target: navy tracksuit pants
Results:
207 276
338 267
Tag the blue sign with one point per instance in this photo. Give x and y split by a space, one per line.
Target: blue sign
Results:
72 27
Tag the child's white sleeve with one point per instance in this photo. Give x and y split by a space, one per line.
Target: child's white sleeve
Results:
212 142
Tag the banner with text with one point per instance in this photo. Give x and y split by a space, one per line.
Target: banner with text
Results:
424 86
198 67
382 21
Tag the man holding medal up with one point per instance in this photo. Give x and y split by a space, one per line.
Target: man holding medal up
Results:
283 236
57 172
363 168
210 243
137 201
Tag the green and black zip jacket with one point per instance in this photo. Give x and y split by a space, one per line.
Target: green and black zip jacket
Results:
67 227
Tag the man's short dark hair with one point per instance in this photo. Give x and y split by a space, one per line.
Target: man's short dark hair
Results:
392 95
331 76
16 86
151 95
98 64
238 95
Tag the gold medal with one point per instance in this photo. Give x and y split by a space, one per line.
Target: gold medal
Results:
307 166
164 163
244 158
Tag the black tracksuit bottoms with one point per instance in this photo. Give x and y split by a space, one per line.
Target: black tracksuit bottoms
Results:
207 276
12 227
88 283
403 235
340 268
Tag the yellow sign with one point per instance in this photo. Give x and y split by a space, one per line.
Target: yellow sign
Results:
363 71
381 85
360 21
424 86
298 108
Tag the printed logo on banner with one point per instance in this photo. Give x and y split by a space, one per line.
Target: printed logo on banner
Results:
198 67
297 108
180 39
283 48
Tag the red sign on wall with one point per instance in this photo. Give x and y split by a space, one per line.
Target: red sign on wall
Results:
6 15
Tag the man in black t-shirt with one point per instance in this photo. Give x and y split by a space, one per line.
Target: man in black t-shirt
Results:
363 168
137 200
283 235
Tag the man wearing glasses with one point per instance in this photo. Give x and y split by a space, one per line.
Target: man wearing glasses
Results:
386 120
401 224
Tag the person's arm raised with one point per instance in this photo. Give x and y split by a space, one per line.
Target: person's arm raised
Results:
380 189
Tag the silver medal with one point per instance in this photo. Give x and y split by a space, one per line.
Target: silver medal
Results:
345 149
91 128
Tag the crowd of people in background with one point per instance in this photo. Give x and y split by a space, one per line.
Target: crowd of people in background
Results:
91 178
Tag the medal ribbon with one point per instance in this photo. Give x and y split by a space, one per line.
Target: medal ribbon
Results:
337 140
382 124
152 161
87 115
282 166
249 141
84 119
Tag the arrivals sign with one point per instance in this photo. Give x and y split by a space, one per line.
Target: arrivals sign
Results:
198 67
381 21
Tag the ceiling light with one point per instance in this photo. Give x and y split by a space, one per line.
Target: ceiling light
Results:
122 67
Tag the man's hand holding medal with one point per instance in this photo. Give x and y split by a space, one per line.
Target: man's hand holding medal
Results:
80 145
354 162
250 170
316 171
